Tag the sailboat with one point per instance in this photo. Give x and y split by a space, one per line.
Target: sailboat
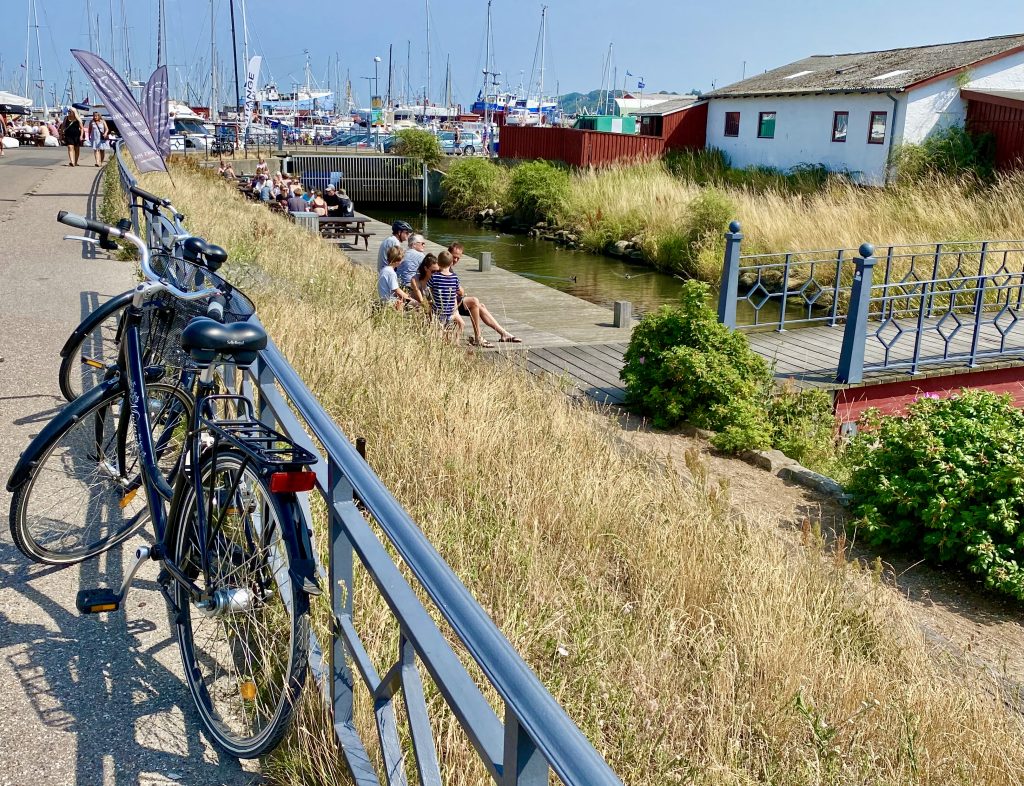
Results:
536 110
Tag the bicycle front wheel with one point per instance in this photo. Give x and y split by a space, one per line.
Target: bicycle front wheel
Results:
86 364
244 646
85 492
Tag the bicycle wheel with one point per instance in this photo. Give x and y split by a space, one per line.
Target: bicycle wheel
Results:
244 651
84 494
85 365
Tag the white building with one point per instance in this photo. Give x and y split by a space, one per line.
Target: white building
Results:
848 112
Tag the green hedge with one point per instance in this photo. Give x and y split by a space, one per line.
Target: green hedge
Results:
946 481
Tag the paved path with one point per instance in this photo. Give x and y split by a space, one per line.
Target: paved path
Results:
83 700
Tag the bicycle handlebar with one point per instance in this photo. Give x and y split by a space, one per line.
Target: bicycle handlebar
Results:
153 199
88 225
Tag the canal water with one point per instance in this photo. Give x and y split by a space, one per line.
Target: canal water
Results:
595 278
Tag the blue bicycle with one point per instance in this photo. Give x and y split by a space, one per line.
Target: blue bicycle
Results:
237 565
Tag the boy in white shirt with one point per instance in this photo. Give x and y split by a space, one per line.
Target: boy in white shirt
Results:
388 288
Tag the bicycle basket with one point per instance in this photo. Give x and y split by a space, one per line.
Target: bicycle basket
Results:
165 316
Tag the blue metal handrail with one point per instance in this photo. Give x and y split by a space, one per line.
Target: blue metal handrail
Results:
535 736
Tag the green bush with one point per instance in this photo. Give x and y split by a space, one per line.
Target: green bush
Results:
711 167
472 184
947 481
420 145
952 152
537 191
681 364
707 167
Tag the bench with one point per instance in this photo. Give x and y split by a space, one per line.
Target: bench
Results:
338 237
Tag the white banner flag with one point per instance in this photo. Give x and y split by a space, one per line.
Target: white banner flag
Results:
251 75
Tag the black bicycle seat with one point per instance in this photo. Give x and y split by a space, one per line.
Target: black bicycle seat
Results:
204 339
193 248
215 256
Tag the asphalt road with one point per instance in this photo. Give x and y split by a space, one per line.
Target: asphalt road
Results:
83 700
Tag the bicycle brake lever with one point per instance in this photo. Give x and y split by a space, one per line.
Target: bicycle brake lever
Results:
82 239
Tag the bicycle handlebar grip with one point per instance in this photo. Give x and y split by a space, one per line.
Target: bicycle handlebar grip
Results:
215 308
88 225
148 197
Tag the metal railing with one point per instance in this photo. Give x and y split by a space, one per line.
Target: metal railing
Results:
533 738
937 303
366 178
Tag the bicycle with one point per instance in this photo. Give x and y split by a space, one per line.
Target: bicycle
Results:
237 565
91 349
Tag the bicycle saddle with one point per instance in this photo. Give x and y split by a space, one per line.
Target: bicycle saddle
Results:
205 338
202 253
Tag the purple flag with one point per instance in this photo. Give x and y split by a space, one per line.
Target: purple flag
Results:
156 111
124 109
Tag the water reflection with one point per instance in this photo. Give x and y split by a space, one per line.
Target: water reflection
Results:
598 279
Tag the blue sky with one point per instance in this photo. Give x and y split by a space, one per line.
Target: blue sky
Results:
673 44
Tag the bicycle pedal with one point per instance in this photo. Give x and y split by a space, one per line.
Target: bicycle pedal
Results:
96 601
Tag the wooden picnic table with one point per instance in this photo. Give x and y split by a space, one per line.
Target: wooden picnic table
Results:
335 228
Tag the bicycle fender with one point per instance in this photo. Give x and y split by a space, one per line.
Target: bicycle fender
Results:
300 547
96 317
71 413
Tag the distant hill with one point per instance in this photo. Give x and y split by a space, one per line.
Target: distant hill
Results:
571 103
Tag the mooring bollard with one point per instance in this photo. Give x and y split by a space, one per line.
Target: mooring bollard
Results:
485 261
623 313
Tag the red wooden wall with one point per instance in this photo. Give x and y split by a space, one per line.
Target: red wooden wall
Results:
892 398
684 129
1004 119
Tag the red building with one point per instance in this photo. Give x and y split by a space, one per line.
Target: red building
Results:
671 125
1000 113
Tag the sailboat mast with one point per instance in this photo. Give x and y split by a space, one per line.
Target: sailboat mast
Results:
408 73
245 39
234 54
160 39
39 58
28 44
543 36
213 64
426 88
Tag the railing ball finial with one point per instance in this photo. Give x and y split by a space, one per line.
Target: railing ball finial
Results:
866 250
734 226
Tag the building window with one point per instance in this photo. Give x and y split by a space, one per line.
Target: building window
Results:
876 128
766 125
840 123
732 123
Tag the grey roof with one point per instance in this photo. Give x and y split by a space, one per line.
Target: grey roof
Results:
857 72
668 107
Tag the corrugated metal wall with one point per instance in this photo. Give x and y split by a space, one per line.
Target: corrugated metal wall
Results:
1006 124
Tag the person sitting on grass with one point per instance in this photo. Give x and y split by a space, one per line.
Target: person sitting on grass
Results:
390 292
471 307
419 287
444 294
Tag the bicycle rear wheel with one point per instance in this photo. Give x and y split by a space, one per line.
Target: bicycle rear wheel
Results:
84 494
244 649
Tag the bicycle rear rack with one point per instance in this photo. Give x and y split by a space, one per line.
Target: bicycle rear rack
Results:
255 439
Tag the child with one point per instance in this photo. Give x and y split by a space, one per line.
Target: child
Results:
444 294
387 284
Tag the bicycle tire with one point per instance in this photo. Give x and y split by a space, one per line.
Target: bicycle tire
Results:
69 480
245 695
99 345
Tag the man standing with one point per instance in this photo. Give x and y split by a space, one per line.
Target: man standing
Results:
400 231
413 256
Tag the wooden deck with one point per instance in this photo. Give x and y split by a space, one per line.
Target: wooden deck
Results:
572 339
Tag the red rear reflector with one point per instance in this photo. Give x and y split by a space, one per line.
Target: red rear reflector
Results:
292 482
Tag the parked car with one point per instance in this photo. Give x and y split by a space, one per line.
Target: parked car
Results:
469 143
348 139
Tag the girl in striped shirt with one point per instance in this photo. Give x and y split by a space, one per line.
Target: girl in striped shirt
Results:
445 291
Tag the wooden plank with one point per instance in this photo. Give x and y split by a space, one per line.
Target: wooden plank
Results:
570 365
591 359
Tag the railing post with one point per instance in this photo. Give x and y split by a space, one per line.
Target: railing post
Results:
851 356
727 294
523 765
340 562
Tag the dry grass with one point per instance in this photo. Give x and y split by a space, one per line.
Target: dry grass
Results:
647 200
700 648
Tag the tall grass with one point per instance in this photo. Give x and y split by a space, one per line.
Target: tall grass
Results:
692 644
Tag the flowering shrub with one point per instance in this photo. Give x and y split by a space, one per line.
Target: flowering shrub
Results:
947 481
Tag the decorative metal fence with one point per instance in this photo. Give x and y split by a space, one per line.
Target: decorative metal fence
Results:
533 739
936 304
